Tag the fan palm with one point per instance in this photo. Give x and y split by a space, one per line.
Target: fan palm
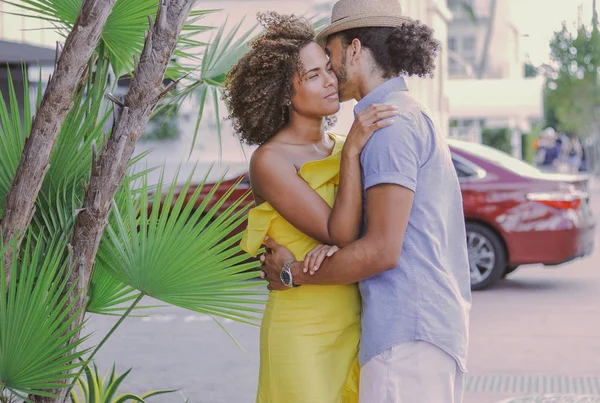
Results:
36 351
95 389
181 253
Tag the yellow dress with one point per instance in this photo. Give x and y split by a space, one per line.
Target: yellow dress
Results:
309 335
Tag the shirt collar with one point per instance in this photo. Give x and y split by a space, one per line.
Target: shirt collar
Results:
379 94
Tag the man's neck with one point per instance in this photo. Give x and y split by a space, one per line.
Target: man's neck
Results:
368 84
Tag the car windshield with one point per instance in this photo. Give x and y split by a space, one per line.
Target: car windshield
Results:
498 157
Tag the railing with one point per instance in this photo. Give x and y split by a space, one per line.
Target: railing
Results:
472 134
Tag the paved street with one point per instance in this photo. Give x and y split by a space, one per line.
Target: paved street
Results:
537 333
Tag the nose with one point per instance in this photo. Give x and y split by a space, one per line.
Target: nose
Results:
330 80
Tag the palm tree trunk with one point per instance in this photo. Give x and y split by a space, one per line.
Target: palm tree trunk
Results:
488 40
108 170
56 103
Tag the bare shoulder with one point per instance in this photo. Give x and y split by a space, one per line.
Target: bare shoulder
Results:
269 164
265 158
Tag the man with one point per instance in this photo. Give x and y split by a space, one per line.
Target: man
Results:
411 262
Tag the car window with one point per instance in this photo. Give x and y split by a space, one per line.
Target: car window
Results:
463 171
499 158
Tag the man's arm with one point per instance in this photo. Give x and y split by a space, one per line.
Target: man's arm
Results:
388 211
391 162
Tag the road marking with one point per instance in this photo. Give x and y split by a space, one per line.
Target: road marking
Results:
196 318
186 319
158 318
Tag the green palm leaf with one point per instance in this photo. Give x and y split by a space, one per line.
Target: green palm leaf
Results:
209 78
95 389
62 190
183 255
13 132
36 351
106 294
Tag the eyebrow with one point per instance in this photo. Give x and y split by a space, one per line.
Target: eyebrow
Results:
312 70
316 68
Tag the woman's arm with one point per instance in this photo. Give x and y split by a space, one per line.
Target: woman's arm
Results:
276 180
346 216
345 220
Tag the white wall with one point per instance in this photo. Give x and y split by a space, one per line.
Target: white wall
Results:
21 29
505 59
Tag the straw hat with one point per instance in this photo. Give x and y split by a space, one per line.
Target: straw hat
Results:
349 14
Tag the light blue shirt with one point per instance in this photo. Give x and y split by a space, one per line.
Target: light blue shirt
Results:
427 296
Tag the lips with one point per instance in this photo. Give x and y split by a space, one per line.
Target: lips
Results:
333 95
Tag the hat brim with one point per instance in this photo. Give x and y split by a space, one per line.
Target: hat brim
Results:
361 22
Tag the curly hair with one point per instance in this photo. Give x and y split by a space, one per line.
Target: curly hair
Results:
406 50
259 88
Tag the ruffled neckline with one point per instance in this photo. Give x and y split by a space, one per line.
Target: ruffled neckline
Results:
316 173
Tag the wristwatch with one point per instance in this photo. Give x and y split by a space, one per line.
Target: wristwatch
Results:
286 276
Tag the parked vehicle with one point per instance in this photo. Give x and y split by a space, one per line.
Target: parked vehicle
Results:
515 214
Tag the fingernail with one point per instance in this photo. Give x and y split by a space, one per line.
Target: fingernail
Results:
267 238
305 270
316 268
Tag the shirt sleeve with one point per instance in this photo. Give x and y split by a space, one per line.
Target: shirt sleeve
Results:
393 155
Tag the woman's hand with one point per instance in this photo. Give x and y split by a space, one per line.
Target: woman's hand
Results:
314 258
366 123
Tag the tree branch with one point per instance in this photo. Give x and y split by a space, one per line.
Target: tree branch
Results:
109 170
56 103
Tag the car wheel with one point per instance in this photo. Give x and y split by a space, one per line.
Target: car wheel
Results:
487 256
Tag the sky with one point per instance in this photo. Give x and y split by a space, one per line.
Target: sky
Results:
540 18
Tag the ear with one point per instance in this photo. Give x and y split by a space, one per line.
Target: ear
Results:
355 50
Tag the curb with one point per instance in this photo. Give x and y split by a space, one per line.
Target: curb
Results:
555 399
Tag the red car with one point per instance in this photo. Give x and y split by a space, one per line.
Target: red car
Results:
515 214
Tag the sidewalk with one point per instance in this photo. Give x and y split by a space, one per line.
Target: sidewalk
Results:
595 184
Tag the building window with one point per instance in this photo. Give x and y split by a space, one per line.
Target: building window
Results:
452 43
468 44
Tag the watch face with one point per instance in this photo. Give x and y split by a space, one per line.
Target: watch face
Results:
285 277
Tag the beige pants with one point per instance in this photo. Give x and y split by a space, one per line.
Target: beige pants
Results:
414 372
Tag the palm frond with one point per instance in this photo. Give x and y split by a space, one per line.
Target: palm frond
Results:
225 49
62 190
179 250
95 389
106 294
13 132
36 351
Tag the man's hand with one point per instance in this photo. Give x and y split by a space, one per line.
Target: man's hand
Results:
272 264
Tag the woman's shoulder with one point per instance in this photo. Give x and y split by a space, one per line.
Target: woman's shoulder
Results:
266 156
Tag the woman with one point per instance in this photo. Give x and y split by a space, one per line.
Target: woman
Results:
280 94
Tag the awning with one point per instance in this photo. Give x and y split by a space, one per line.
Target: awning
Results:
15 53
495 98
